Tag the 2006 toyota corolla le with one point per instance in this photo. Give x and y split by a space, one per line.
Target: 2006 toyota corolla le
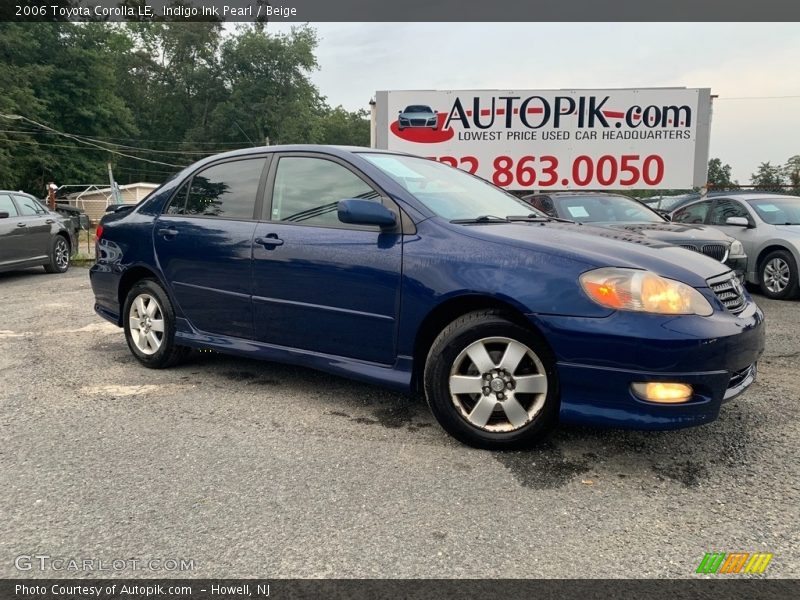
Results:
401 271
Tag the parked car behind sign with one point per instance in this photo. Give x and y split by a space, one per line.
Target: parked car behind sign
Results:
402 271
623 214
768 225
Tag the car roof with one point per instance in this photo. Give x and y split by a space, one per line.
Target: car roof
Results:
340 151
576 193
327 149
749 195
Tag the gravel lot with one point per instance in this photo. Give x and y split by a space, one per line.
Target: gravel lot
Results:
260 470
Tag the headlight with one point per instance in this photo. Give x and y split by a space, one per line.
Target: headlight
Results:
736 248
643 291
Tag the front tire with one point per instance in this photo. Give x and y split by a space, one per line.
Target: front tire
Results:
59 255
149 323
491 383
778 276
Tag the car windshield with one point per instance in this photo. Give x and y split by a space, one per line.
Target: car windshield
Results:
418 109
449 192
604 209
778 211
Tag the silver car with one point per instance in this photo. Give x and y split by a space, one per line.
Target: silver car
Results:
768 225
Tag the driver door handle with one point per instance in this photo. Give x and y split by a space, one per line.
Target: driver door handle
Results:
269 241
168 232
22 224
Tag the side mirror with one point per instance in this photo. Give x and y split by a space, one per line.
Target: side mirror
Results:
3 214
365 212
737 221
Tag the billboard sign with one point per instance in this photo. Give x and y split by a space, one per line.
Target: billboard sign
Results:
555 139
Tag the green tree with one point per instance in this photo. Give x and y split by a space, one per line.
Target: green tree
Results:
346 128
56 75
152 97
270 94
767 175
719 175
792 171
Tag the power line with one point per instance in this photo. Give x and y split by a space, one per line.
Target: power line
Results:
127 139
77 139
139 148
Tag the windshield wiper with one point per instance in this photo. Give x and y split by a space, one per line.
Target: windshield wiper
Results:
532 218
482 219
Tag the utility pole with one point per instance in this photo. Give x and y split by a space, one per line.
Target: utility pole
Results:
113 184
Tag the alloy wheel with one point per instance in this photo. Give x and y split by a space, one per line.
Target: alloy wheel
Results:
498 384
146 320
62 253
776 275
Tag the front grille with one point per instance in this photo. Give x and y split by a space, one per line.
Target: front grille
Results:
418 122
730 292
716 251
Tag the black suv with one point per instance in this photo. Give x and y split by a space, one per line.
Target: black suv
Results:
32 235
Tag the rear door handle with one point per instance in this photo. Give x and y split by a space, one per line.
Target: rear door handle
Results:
50 221
168 231
269 241
22 224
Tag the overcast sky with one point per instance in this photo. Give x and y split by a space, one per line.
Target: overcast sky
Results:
739 60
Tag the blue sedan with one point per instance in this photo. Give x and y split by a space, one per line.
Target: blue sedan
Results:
402 271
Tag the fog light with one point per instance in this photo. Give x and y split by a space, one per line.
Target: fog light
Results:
658 391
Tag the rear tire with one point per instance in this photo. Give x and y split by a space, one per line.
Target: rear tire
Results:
778 275
475 374
149 322
60 253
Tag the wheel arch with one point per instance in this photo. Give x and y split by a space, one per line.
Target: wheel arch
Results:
448 311
129 279
771 247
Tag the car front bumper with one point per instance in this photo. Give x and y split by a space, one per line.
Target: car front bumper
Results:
599 359
738 265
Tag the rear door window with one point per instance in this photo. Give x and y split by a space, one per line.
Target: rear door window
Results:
7 205
226 191
694 213
28 206
177 205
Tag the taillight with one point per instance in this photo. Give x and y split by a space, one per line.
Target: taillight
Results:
98 233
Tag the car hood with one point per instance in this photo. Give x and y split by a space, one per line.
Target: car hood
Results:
672 233
602 247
